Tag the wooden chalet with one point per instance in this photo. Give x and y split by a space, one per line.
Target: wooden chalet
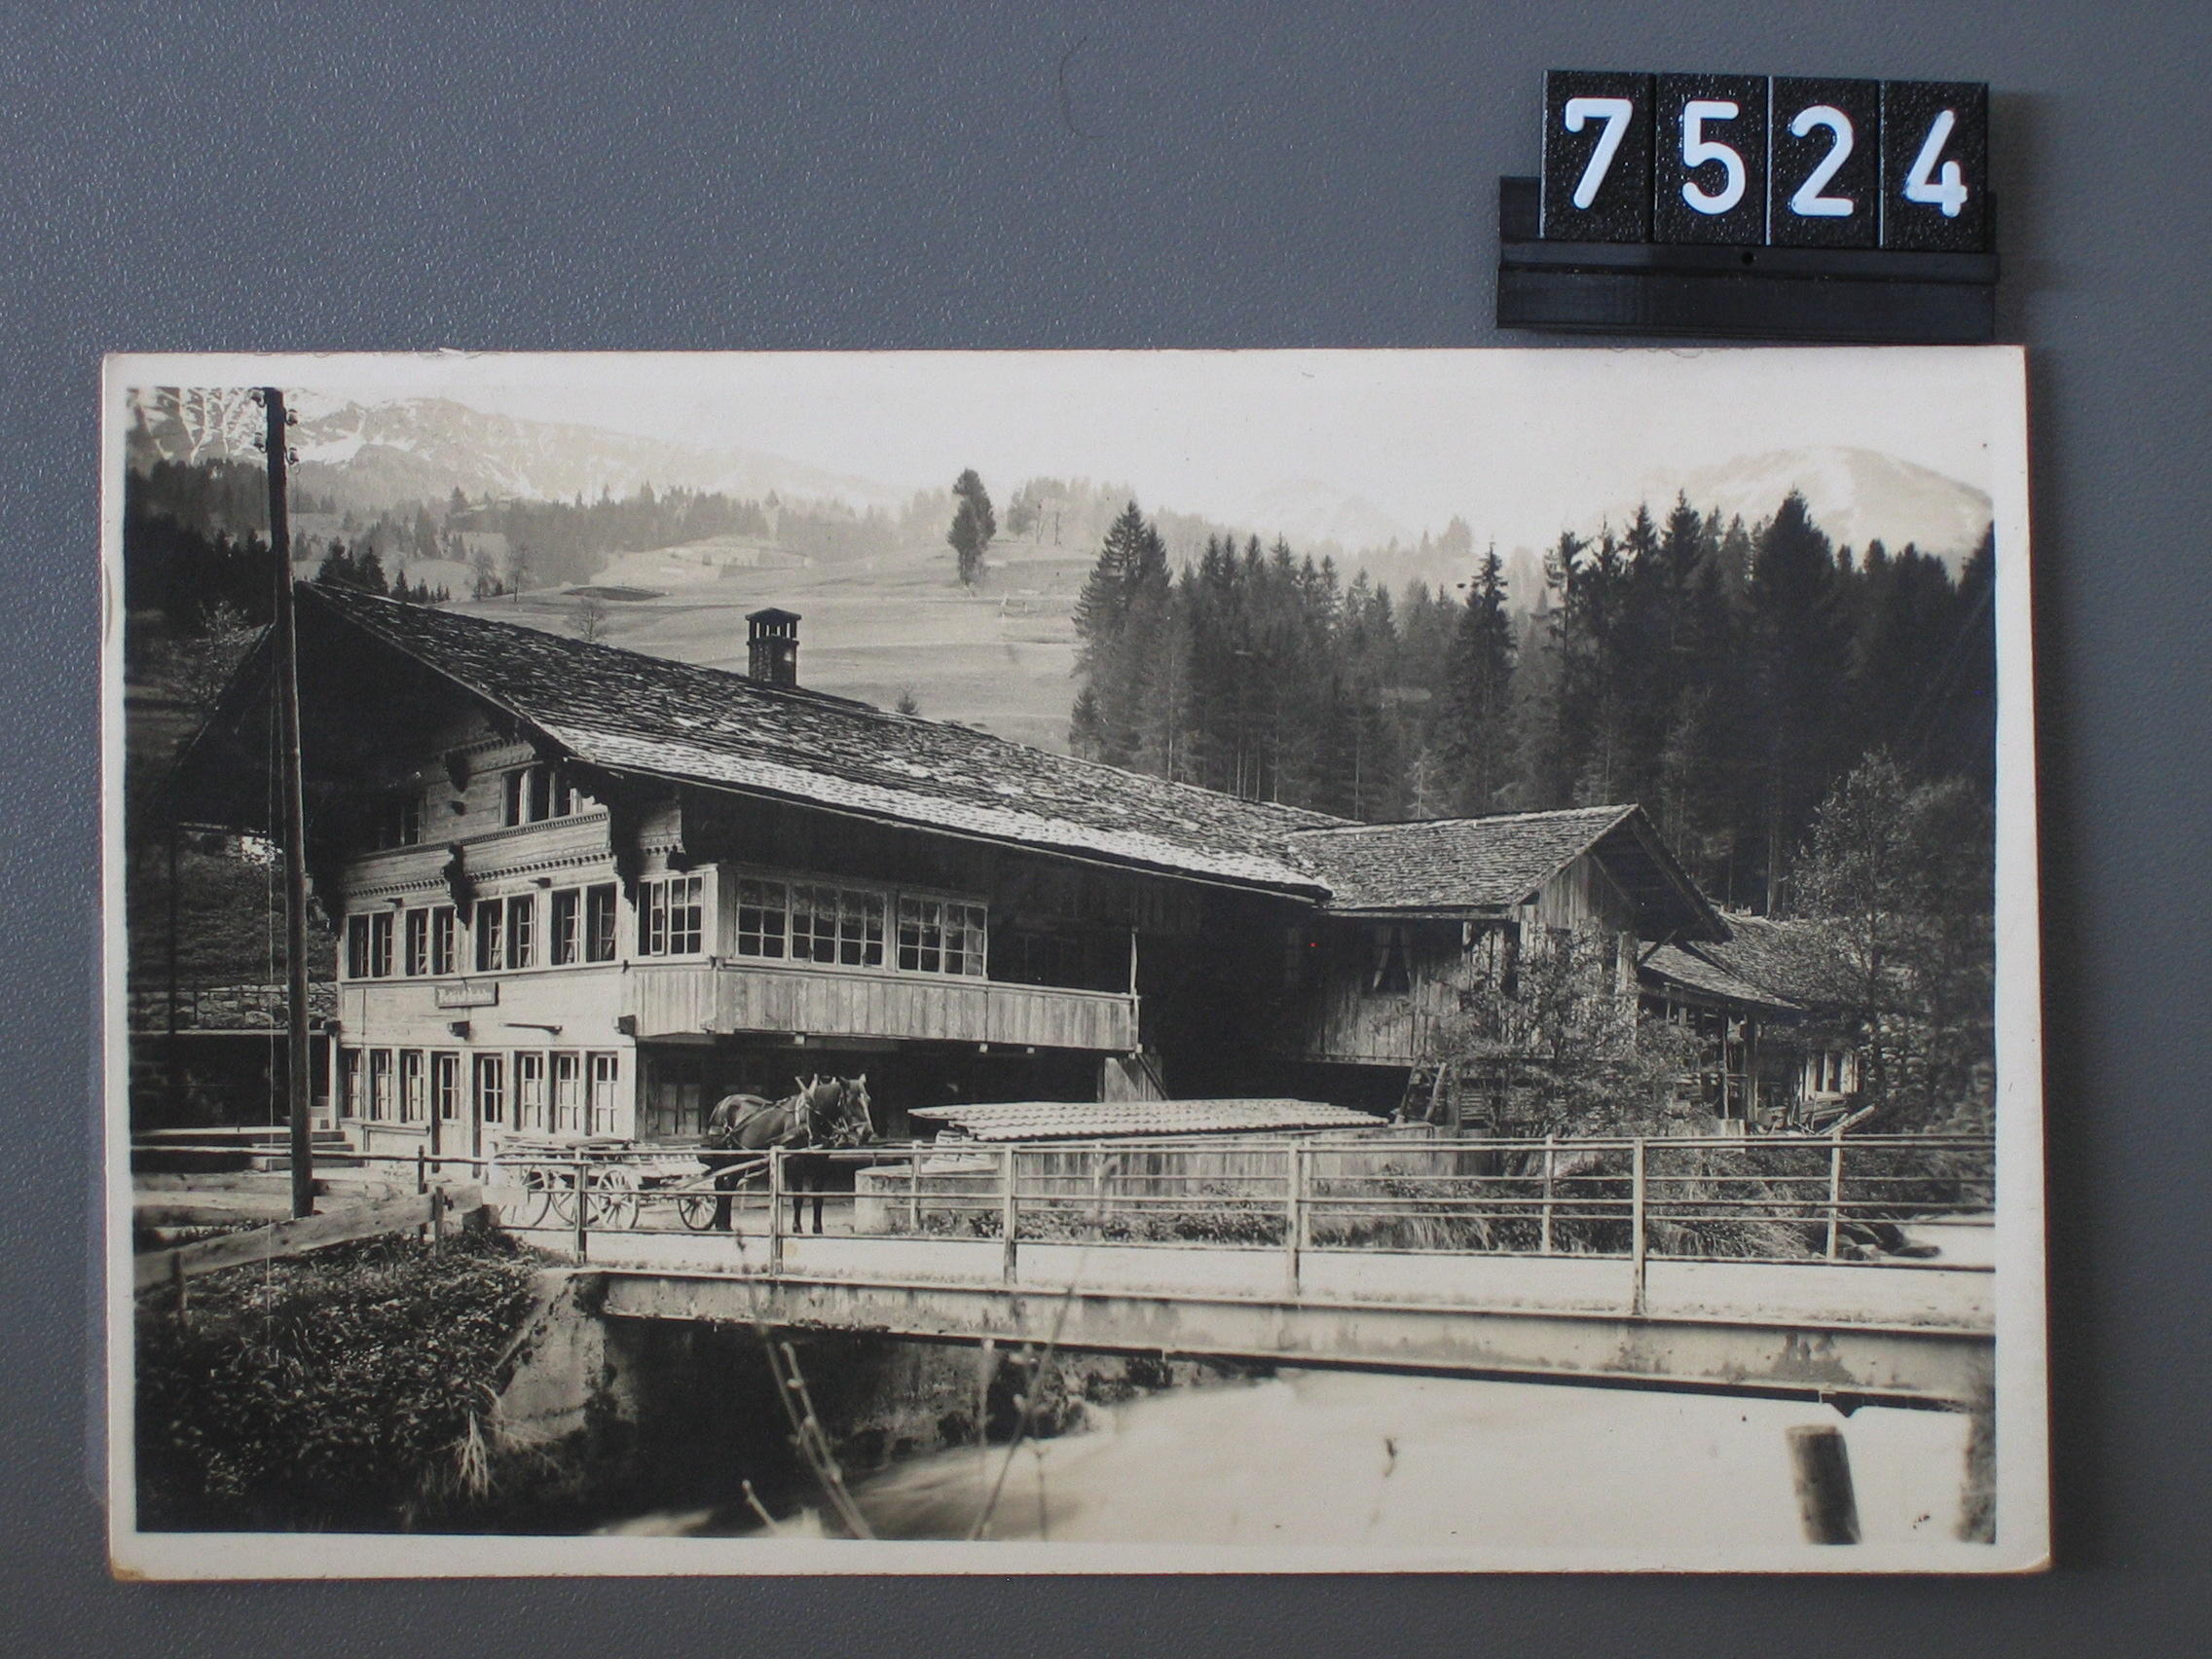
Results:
584 892
1780 1036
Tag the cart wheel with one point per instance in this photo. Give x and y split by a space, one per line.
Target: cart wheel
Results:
559 1183
532 1200
613 1194
696 1210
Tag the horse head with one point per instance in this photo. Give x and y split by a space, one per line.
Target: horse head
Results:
859 1109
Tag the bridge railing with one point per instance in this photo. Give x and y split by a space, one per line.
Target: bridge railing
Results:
1785 1199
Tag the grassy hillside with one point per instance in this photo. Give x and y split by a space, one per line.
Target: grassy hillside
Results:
1001 659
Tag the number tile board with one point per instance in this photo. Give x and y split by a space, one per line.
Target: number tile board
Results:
1749 161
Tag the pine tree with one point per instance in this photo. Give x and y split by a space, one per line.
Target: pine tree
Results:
1479 742
973 524
1796 642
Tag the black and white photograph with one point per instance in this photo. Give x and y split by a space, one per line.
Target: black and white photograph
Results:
1071 961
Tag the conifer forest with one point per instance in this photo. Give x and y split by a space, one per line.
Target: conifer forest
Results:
1727 677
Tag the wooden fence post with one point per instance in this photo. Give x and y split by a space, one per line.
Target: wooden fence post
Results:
1294 1213
583 1205
437 1217
1822 1471
177 1280
1637 1245
1836 1192
775 1209
914 1191
1009 1217
1551 1152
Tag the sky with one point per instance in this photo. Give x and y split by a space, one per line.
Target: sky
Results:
1519 442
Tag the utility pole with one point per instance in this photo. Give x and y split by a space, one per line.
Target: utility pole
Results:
300 1092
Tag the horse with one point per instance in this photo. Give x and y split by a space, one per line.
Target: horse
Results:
824 1112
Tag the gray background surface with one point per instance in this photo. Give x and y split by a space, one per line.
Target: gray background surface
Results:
370 176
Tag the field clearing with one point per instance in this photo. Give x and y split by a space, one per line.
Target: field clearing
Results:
1001 659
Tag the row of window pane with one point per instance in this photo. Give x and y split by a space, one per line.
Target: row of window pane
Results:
844 927
941 935
505 935
560 1091
672 916
535 793
776 920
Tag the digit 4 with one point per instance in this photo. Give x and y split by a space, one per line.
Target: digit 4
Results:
1923 184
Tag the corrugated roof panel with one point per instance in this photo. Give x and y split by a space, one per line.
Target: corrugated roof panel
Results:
1064 1120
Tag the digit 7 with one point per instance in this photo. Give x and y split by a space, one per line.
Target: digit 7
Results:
1597 179
1615 113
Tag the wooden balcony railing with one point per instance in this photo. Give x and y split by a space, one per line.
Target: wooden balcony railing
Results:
722 998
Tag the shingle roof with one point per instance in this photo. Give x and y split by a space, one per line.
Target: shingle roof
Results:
1782 964
1471 862
1472 866
629 711
1062 1119
1687 968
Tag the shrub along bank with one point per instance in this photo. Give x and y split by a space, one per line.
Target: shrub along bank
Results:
345 1389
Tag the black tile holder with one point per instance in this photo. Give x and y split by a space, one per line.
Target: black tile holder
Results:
1864 295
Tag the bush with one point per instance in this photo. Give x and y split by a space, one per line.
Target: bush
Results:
342 1390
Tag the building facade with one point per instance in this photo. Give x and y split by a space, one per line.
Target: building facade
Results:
582 893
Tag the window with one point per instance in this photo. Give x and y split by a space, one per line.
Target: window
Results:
568 1093
604 1070
1392 976
356 948
584 925
599 923
445 1088
445 939
418 932
535 793
522 930
395 820
380 1086
491 937
1830 1071
671 916
567 927
762 908
530 1091
832 925
938 936
349 1101
380 945
492 1088
411 1095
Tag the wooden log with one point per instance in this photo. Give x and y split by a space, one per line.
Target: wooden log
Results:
1821 1471
289 1238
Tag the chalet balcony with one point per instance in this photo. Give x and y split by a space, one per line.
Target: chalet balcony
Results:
674 998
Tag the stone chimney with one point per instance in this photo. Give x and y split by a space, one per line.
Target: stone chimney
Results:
772 643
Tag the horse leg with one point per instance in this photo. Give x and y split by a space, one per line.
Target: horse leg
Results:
725 1182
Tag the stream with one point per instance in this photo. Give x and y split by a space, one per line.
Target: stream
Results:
1343 1458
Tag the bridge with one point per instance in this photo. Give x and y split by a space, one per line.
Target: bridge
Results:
1853 1270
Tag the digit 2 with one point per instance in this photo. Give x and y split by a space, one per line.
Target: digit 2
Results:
1936 166
1826 178
1708 161
1597 180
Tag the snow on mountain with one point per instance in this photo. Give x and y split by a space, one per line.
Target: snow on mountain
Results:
1306 510
1857 495
421 449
